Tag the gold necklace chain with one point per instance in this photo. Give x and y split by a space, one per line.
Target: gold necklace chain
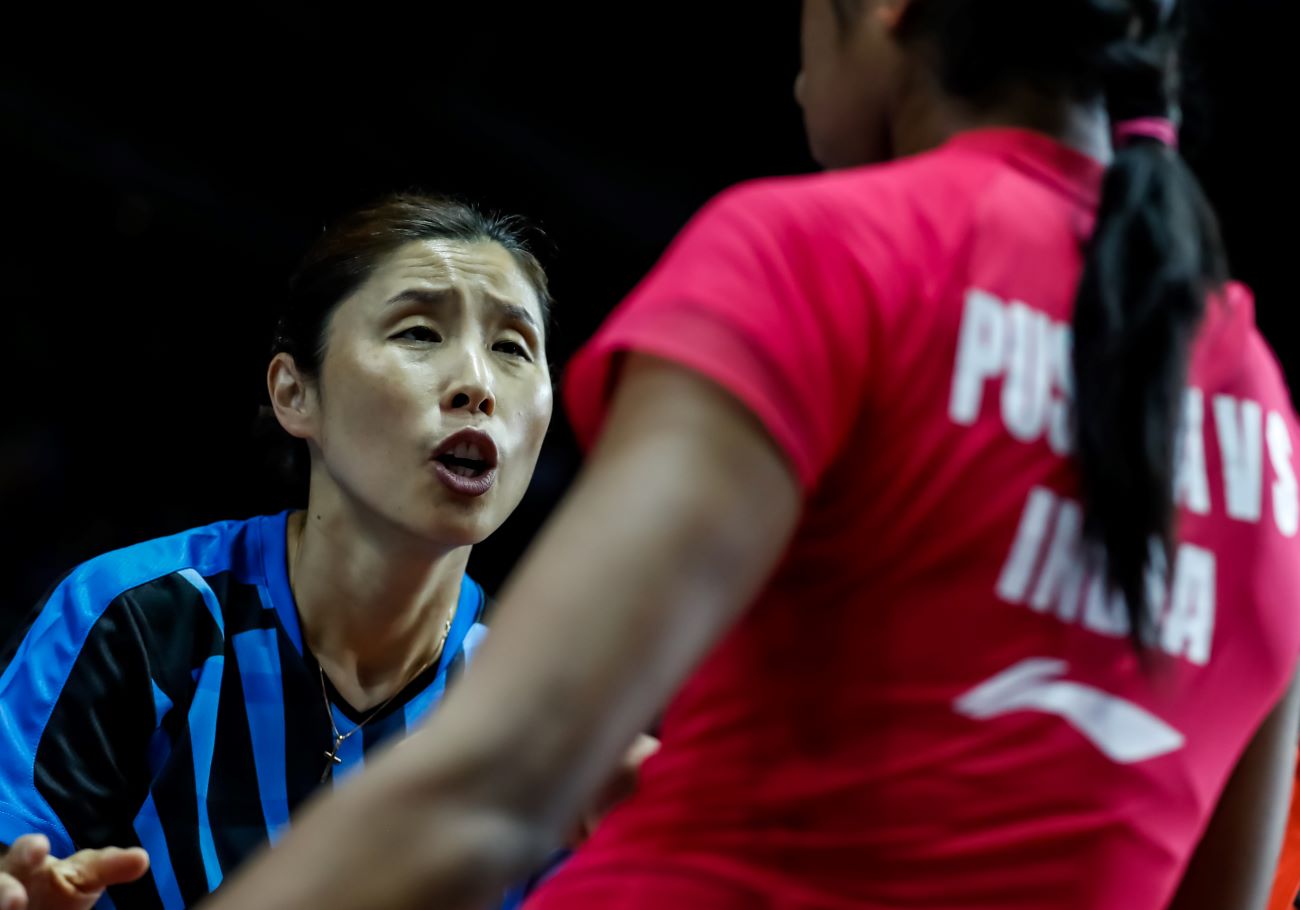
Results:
332 756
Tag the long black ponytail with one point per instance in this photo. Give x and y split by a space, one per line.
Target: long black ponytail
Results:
1154 259
1152 262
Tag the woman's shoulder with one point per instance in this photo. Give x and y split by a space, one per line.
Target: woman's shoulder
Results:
156 603
805 201
879 214
188 557
1232 357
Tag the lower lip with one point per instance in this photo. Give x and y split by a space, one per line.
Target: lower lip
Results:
465 486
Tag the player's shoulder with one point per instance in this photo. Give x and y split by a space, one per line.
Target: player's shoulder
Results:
198 552
880 206
809 198
1231 355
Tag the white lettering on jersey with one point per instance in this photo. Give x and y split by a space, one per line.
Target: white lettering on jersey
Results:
1191 487
1025 391
1061 578
1046 569
1047 572
1105 614
1060 422
1124 732
1188 627
1286 507
981 344
1032 355
1239 429
1018 570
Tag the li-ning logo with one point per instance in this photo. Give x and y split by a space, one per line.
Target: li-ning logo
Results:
1123 732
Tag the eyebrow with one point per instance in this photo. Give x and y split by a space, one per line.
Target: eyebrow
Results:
433 298
514 312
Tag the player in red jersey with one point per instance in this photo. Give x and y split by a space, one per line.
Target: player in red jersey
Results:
963 483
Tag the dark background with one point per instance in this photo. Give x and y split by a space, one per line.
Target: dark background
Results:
162 173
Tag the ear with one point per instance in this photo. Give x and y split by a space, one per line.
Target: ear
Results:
891 13
293 396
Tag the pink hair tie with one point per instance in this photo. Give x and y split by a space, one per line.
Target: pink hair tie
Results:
1161 129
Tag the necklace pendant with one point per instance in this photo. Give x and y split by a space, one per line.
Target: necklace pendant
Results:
331 759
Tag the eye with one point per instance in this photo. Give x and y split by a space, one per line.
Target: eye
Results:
419 333
513 348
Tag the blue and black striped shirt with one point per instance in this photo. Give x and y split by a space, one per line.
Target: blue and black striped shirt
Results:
162 697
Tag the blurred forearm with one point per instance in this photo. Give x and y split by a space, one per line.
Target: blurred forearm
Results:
682 513
1234 864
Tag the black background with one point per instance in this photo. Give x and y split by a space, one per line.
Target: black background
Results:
163 172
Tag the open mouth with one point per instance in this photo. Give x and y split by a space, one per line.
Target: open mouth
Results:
467 462
464 464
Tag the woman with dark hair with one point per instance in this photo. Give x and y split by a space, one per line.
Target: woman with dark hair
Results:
185 695
963 483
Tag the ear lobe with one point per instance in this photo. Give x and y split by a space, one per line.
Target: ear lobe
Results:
890 13
291 396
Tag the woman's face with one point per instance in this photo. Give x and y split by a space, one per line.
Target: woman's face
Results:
849 76
434 394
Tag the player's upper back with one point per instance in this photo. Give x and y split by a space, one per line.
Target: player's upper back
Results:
935 654
967 264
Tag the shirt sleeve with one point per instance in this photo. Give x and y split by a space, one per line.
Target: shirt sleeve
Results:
75 718
754 298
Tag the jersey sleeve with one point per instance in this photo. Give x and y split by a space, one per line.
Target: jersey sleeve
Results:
755 297
76 714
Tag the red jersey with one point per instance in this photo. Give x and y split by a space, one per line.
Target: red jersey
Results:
935 703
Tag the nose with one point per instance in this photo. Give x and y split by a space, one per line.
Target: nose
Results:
799 88
471 389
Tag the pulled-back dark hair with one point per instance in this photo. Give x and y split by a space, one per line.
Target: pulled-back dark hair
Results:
347 252
345 255
1153 260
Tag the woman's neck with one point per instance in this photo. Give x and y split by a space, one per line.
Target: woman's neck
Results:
925 117
373 602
